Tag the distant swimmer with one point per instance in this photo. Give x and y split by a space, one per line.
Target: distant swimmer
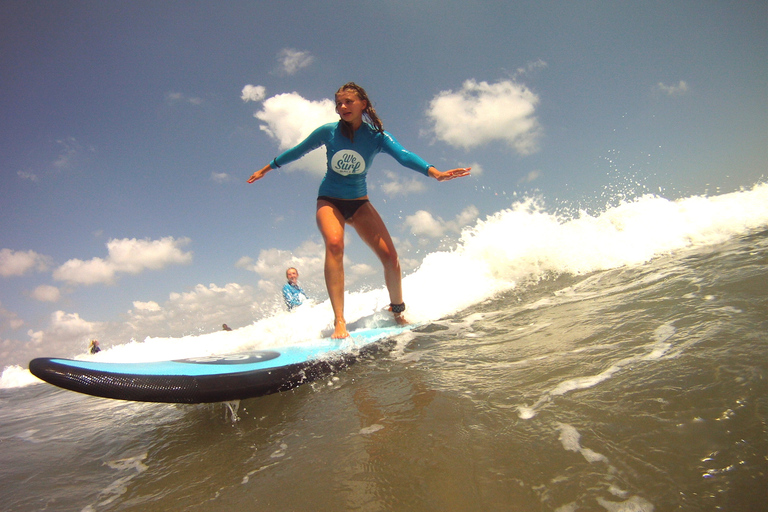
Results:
225 327
293 295
350 145
94 348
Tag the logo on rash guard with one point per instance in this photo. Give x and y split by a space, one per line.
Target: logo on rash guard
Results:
347 162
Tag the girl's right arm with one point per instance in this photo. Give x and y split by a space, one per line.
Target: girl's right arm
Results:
316 139
260 173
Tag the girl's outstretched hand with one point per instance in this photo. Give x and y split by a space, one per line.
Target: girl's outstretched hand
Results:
449 175
259 174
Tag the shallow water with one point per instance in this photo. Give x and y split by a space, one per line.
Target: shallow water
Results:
635 389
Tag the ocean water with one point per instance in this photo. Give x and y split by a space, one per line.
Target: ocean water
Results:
615 361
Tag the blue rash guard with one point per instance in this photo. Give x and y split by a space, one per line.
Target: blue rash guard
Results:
292 295
348 162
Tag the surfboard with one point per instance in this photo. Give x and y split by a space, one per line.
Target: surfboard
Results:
217 378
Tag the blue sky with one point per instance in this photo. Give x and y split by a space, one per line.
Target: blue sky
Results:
130 127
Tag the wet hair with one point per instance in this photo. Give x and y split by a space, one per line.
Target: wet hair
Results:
369 112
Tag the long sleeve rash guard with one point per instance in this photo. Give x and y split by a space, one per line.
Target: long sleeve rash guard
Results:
348 162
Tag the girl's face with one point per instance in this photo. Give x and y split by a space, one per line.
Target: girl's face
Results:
350 107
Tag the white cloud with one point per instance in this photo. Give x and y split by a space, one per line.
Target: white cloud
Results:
203 307
127 256
673 90
253 93
146 306
220 177
9 319
531 176
46 293
72 153
423 224
70 325
18 263
481 112
90 272
462 220
35 337
66 334
244 262
292 60
362 270
308 259
531 67
477 169
399 185
25 175
69 151
173 98
289 118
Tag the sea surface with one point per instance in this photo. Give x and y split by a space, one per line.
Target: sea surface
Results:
612 361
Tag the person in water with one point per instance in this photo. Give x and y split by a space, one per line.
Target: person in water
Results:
94 348
350 145
293 295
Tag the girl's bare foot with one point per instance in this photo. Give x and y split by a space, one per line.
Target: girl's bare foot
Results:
340 329
400 319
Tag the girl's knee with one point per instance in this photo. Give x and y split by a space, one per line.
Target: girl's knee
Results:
335 245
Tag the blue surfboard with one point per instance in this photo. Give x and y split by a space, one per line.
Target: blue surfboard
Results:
212 378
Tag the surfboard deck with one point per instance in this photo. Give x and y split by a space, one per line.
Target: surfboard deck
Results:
218 378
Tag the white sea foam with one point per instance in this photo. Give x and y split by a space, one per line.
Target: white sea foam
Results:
570 438
520 244
17 377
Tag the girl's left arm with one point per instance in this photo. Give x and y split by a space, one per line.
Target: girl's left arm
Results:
448 175
415 162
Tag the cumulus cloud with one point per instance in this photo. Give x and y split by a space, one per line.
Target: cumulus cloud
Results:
146 306
673 90
18 263
66 334
46 293
309 260
289 118
206 307
424 224
253 93
292 60
480 112
9 319
125 256
70 325
271 264
398 185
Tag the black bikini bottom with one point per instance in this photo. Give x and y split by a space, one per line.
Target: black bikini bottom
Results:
347 207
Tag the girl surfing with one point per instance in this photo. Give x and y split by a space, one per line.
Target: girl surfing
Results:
350 144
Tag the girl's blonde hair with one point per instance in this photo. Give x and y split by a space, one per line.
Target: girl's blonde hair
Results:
369 112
